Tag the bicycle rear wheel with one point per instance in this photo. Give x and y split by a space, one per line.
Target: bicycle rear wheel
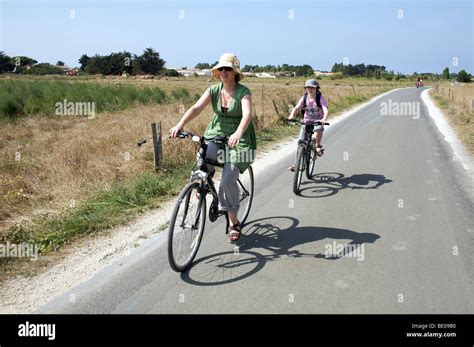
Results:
246 188
310 160
186 227
299 168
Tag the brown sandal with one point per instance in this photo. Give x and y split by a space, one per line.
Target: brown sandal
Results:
235 232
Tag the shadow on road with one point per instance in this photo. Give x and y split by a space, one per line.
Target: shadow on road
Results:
274 238
329 183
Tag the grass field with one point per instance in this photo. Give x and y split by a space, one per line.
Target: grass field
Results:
27 98
457 102
65 176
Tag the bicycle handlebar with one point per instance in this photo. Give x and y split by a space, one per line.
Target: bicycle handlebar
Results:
218 139
318 122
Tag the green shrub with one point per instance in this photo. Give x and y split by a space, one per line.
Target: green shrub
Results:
464 77
38 97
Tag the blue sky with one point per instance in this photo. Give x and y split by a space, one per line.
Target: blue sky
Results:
405 36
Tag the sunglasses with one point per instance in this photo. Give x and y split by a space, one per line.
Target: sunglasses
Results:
226 68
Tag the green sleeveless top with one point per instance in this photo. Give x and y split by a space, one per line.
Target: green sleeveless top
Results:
226 124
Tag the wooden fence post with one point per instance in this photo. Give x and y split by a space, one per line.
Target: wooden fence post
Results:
157 145
276 108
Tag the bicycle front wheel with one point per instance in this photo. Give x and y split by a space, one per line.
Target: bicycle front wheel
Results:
246 188
299 168
310 161
186 227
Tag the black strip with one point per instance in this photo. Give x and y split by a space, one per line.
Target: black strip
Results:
237 329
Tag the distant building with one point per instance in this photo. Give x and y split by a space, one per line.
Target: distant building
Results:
192 72
286 74
265 75
323 73
204 72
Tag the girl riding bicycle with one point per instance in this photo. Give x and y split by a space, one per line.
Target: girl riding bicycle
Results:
232 105
315 108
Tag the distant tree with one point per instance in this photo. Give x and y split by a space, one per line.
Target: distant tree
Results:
149 62
361 70
95 65
44 69
136 67
60 63
84 60
248 68
21 61
445 74
117 63
112 64
463 76
202 66
5 63
305 70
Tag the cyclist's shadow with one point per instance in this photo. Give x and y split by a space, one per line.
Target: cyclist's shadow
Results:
330 183
271 239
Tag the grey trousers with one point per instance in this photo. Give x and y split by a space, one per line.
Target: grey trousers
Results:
228 189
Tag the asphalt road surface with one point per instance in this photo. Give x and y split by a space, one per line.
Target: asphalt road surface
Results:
385 226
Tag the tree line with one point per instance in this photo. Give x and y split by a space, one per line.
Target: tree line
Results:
293 70
26 65
379 71
149 62
362 70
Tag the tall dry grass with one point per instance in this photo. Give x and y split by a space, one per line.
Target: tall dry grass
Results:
457 100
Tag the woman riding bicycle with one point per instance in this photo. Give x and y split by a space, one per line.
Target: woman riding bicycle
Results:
232 106
315 108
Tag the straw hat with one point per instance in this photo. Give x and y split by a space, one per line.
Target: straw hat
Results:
230 60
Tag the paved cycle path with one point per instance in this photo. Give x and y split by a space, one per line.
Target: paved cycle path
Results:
385 226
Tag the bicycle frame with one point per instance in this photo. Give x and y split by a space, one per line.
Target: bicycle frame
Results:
202 174
308 136
309 131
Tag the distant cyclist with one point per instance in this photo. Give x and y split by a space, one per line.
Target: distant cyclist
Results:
315 107
419 82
